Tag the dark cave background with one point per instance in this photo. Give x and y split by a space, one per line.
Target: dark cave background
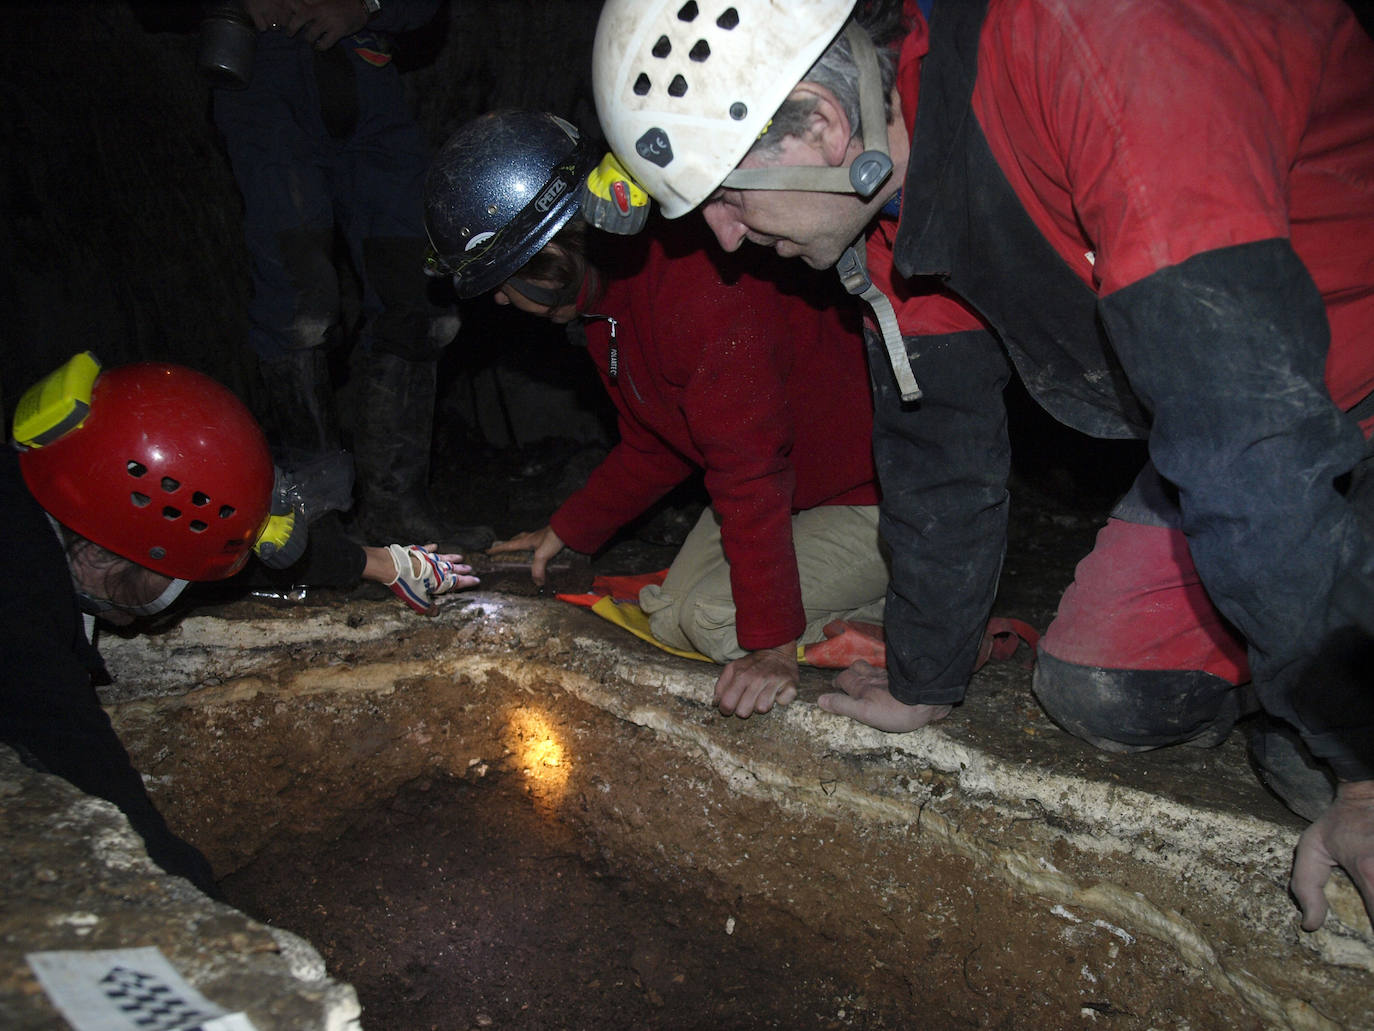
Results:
120 232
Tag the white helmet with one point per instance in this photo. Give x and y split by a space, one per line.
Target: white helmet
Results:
684 87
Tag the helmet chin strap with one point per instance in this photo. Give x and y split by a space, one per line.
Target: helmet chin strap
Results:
169 594
544 295
92 606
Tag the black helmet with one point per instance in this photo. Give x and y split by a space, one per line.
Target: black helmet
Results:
498 191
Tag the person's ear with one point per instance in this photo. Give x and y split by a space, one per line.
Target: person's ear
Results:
828 127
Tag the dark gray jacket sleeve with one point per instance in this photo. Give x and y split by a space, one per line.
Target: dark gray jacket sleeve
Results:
942 464
1228 351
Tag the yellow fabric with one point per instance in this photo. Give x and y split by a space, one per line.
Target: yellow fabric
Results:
632 618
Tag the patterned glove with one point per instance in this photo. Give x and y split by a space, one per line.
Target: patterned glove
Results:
436 575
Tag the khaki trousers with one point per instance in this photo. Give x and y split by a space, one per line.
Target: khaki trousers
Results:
844 575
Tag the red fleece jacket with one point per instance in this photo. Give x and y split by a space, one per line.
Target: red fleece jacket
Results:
716 367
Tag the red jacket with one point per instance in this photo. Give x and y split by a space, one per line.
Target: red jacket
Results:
1165 208
719 370
1061 120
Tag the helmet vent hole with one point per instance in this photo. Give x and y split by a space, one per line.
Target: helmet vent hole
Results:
200 499
662 48
140 500
678 87
135 468
199 526
739 110
701 51
642 85
728 19
169 485
171 514
688 11
226 511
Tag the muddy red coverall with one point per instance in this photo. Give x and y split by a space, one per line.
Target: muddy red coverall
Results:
1164 215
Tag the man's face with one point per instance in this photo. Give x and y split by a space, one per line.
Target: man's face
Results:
816 227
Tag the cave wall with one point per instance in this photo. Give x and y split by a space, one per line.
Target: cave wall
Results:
120 230
121 227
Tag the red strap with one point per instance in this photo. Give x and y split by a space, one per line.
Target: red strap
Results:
1001 639
847 641
619 588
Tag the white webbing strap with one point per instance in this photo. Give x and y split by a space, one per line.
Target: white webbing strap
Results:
853 271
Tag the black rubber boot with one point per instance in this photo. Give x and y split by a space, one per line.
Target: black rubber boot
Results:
391 453
300 401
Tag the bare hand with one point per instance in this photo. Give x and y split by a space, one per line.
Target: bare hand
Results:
545 544
268 14
322 23
1342 836
864 696
758 681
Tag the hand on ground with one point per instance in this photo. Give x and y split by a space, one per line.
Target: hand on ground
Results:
758 681
1342 836
864 696
544 543
421 575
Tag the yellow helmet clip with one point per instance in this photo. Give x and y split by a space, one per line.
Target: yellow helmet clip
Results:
58 403
613 201
284 534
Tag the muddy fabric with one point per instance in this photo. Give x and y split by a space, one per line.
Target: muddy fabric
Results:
1222 318
1137 603
1138 709
944 465
843 575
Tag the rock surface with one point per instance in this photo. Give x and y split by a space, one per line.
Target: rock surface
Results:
76 878
1051 884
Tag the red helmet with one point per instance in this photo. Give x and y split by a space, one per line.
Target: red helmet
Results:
168 469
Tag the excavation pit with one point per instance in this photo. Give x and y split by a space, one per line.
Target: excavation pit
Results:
464 903
987 872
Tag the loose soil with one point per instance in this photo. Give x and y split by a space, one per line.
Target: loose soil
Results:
458 903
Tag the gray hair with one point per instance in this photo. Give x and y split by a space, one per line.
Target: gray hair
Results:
838 71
